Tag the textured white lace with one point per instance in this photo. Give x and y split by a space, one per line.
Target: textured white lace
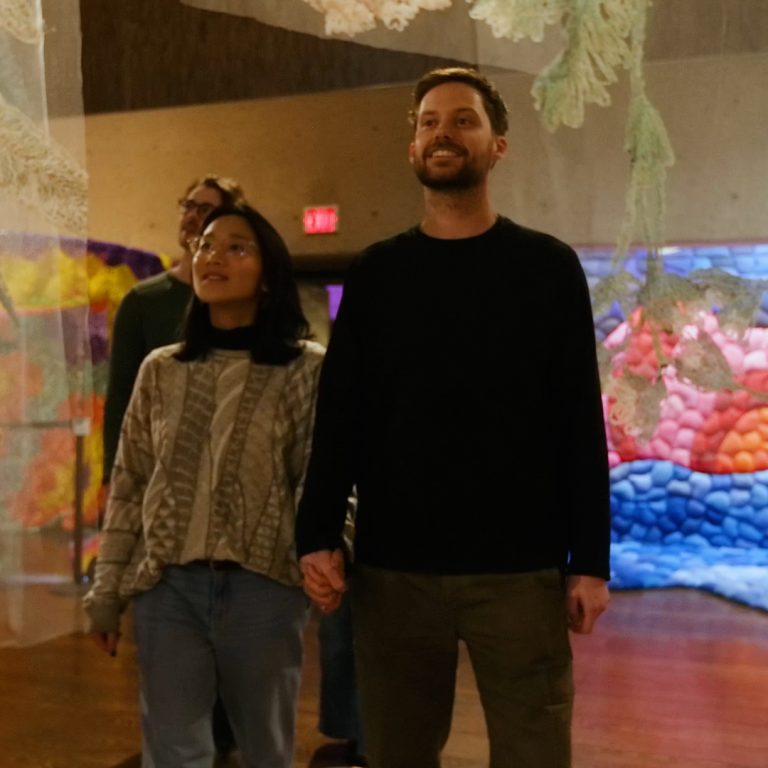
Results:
34 168
21 19
40 172
351 17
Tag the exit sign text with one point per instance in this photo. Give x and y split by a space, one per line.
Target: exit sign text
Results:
321 219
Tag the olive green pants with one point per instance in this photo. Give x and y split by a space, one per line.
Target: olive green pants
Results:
407 629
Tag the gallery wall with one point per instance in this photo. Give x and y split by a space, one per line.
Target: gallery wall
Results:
348 147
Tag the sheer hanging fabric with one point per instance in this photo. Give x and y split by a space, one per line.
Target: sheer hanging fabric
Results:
45 359
446 30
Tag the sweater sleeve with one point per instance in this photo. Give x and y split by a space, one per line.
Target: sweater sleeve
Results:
123 531
331 471
586 473
127 352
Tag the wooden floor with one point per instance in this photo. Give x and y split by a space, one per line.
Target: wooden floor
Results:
671 678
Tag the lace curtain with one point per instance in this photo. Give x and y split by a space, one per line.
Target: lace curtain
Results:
45 370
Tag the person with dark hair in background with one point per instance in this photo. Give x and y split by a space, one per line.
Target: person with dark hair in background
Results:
199 530
151 315
441 401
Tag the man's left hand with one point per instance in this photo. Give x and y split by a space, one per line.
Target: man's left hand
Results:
586 598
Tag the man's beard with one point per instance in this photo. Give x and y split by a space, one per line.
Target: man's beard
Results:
466 177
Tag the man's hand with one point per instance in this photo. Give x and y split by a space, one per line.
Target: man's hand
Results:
324 580
586 598
107 641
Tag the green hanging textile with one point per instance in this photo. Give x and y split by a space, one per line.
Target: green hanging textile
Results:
637 404
650 152
518 19
602 36
596 34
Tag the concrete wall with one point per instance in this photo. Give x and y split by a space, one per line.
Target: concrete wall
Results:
349 148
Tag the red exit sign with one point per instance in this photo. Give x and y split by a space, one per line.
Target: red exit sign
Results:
319 220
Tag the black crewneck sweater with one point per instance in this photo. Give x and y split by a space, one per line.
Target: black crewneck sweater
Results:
460 394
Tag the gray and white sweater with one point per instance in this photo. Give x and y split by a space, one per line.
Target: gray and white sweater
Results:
210 464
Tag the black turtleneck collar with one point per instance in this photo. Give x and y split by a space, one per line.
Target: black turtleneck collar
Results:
234 338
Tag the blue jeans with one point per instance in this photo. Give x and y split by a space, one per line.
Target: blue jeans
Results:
339 708
200 632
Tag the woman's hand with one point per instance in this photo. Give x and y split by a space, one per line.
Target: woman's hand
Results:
324 581
107 641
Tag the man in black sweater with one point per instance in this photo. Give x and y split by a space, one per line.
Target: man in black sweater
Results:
445 389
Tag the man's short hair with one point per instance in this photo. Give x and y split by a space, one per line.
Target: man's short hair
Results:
492 100
231 192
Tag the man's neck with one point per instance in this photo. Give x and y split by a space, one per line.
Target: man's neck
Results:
182 269
452 214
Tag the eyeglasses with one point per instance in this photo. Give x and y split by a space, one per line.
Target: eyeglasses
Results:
190 206
238 249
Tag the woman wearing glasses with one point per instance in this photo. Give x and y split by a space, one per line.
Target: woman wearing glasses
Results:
199 526
151 313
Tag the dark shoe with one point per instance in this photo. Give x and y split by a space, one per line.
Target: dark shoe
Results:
337 754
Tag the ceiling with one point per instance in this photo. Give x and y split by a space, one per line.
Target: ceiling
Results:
146 54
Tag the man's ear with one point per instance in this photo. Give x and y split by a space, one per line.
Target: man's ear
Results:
411 153
500 149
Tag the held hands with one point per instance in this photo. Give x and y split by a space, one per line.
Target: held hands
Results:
586 598
324 580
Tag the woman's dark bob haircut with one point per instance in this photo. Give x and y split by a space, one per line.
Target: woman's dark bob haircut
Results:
280 322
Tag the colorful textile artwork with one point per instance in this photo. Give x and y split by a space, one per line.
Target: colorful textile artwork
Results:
690 505
45 299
